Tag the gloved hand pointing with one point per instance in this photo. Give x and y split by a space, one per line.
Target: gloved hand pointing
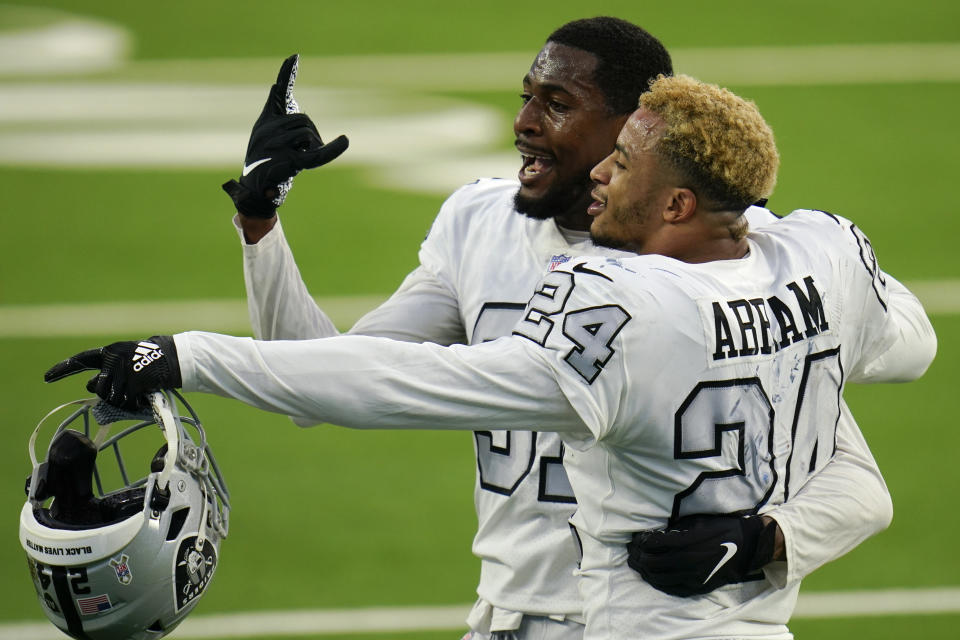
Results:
128 370
283 143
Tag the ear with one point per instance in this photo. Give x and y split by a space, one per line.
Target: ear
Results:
681 206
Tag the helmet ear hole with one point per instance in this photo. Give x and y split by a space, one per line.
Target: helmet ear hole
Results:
176 522
156 627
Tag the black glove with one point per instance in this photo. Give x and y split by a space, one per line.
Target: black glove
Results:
128 370
283 142
700 553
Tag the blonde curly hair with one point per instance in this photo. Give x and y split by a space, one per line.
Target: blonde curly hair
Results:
716 139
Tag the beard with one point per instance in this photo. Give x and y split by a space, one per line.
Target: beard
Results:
556 202
635 216
600 240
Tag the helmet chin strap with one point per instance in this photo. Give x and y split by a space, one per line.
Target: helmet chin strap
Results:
164 416
194 459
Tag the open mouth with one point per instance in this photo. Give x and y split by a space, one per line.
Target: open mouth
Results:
598 205
535 164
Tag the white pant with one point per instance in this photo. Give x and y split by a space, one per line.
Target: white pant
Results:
534 628
492 623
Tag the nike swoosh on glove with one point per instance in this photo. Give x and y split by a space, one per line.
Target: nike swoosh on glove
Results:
699 553
128 370
283 142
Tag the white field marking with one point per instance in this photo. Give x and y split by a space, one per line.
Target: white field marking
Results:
172 117
903 62
801 65
58 43
443 142
117 318
886 602
400 619
940 297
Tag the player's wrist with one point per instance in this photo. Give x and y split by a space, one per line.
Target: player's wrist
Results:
255 229
770 544
253 202
780 543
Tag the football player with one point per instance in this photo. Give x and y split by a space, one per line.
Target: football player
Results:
576 96
702 374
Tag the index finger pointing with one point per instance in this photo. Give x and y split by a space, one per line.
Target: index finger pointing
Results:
285 81
83 361
281 92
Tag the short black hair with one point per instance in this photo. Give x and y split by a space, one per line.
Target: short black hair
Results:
629 57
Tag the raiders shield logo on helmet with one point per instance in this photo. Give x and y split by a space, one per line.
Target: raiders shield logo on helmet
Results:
193 570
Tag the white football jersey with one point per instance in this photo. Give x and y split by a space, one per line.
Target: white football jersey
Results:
479 265
706 388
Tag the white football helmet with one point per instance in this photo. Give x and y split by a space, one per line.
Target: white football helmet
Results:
130 563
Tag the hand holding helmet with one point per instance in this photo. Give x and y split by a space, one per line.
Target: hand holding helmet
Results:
128 370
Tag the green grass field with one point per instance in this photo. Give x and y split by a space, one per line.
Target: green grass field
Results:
328 518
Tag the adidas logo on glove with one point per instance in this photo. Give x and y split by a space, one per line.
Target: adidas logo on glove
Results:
144 354
124 379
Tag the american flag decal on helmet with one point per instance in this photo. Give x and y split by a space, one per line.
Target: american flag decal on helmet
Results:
96 604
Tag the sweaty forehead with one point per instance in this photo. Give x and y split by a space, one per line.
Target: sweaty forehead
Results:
565 67
642 130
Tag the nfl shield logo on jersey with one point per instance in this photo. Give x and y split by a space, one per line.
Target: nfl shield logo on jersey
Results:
556 261
124 576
